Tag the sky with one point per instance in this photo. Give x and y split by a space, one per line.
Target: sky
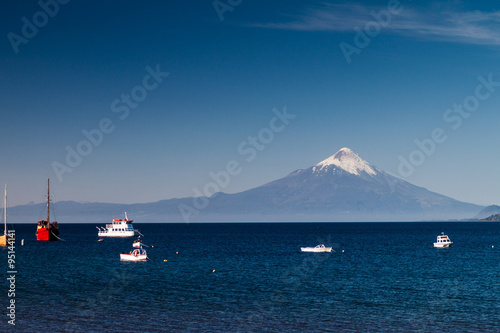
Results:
129 102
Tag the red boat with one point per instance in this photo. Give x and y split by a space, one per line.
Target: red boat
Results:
46 231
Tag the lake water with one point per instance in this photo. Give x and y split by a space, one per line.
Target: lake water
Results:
382 277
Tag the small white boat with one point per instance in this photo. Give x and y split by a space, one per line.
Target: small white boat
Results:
443 241
134 255
317 248
118 228
138 243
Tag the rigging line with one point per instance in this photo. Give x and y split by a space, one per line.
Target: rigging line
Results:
43 208
53 210
57 236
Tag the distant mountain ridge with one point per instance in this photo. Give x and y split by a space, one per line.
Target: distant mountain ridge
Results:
342 187
492 218
488 211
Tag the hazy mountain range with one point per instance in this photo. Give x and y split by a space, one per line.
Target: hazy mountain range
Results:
343 187
488 211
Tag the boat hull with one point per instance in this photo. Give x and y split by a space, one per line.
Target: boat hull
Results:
128 233
47 234
313 249
129 257
442 245
5 239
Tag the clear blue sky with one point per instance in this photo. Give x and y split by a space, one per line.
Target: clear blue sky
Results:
224 79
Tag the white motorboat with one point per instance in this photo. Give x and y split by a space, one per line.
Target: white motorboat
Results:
443 241
118 228
317 248
134 255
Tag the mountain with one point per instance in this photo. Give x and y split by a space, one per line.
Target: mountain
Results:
488 211
343 187
492 218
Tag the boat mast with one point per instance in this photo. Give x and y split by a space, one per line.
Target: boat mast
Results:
5 211
48 201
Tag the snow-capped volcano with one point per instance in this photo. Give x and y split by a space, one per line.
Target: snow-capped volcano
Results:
343 187
346 160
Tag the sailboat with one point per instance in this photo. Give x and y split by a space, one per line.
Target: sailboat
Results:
4 239
46 231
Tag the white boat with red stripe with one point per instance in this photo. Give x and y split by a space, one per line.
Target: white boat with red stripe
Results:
134 255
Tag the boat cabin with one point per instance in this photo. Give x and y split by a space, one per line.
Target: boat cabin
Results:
443 239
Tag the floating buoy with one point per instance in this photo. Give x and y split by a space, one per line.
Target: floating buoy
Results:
165 260
176 252
342 251
213 271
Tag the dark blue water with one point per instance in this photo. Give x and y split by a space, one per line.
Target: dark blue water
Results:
383 277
